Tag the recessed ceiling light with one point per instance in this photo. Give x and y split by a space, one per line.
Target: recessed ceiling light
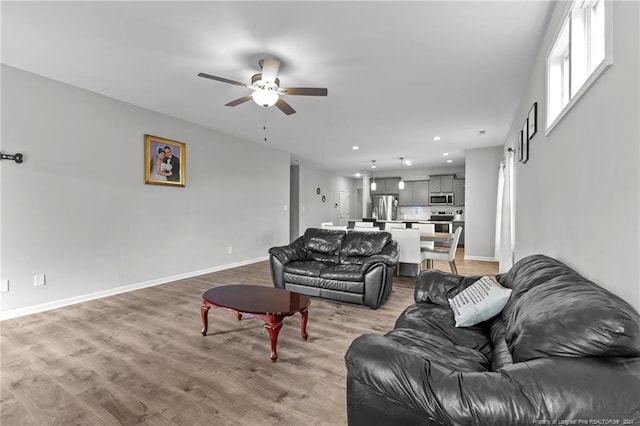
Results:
449 161
356 147
358 174
436 138
408 163
444 154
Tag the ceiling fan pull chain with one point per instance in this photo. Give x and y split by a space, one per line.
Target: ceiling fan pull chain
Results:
264 124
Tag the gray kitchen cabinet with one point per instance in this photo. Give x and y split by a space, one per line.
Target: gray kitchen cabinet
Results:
391 185
441 183
421 193
386 186
458 192
405 197
415 193
379 187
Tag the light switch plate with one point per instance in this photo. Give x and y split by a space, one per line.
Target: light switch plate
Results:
4 286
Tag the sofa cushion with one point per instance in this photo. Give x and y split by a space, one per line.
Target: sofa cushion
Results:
355 287
358 244
438 320
307 268
326 241
482 300
560 313
500 355
343 272
440 350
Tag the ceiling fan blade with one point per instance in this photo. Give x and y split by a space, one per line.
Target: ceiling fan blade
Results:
239 101
306 91
270 69
285 107
222 79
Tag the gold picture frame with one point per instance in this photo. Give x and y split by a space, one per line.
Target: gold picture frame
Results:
164 161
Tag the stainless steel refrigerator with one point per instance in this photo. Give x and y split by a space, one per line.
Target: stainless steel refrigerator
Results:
386 206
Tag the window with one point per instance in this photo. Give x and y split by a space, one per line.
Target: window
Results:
580 53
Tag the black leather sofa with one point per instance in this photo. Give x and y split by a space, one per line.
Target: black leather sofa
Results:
562 351
355 267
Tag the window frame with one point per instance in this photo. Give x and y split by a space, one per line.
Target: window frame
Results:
595 73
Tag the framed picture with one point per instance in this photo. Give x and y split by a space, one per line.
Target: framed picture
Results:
164 161
525 141
532 119
520 145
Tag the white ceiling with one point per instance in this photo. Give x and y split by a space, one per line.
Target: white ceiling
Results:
398 73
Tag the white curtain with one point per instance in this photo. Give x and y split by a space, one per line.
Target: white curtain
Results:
505 223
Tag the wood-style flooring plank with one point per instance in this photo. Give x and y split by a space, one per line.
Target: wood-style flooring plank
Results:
139 358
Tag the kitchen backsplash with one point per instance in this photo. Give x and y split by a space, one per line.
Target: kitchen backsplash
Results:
424 213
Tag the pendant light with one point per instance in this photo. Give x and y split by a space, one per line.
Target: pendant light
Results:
373 183
401 183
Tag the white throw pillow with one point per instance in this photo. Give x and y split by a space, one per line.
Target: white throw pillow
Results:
480 301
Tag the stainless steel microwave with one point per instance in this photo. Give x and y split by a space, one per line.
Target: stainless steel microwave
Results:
444 199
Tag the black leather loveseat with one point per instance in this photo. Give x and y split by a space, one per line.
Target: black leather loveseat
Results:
562 351
355 267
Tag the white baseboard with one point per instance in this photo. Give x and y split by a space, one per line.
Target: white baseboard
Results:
480 258
20 312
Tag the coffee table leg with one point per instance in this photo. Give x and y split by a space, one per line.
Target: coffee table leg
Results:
303 324
204 313
273 324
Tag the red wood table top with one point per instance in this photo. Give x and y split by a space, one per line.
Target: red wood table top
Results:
255 299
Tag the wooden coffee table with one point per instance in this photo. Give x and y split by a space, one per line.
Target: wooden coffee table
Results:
271 305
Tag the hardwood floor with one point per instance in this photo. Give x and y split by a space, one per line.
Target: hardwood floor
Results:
139 358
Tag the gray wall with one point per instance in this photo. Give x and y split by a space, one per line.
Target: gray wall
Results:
481 194
578 197
311 210
78 210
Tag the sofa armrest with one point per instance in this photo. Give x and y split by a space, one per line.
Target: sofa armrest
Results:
389 256
557 388
438 287
290 252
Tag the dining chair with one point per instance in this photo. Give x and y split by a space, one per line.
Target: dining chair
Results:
335 227
425 227
389 225
409 246
365 229
449 255
363 224
323 224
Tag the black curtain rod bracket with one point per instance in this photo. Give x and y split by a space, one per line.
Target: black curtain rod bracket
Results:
18 158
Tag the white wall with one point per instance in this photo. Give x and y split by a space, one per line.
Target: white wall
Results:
78 210
311 210
481 194
578 197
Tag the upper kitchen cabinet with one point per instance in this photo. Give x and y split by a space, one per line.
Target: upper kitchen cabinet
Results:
379 187
442 183
391 185
405 197
415 193
386 186
421 193
458 192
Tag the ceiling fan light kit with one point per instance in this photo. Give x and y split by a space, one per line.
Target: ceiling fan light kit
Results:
266 88
265 97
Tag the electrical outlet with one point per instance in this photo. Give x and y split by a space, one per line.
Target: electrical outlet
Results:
39 280
4 286
230 249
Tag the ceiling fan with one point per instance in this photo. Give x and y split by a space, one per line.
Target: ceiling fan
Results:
266 88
